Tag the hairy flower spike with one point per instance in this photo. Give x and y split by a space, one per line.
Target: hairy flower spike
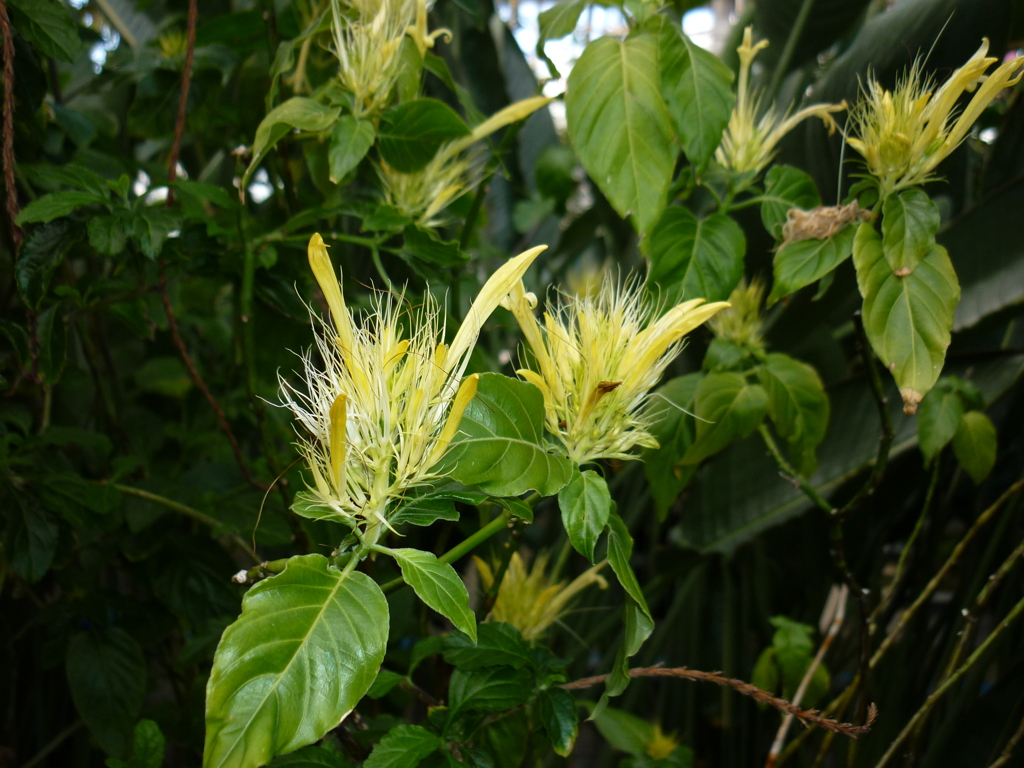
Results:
383 409
596 358
905 133
748 144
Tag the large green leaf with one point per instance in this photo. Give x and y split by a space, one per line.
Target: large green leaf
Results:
727 408
556 709
975 445
785 187
298 112
801 263
558 21
438 585
909 222
500 446
620 126
411 133
585 504
798 406
403 747
42 253
698 93
489 689
107 675
55 205
497 644
674 430
938 419
907 318
306 648
31 535
695 258
350 141
49 25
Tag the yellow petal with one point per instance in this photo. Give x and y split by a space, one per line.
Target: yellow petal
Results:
1003 77
510 114
486 576
326 278
495 289
338 439
467 391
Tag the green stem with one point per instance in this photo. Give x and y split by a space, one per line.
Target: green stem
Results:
375 255
939 692
795 33
497 524
188 511
793 476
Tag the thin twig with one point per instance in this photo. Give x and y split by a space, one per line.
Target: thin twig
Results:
172 324
10 187
186 83
833 631
805 716
57 740
1004 756
938 693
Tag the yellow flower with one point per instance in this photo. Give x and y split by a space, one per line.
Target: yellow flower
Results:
597 358
383 408
423 194
661 745
904 134
748 144
418 31
369 50
531 601
742 322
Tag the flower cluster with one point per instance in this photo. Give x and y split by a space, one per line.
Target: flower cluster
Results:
388 399
596 358
749 142
905 133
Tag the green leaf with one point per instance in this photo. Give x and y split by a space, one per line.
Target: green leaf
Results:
310 757
52 177
620 126
500 446
31 536
411 133
384 683
53 347
424 649
350 141
785 187
698 93
674 429
624 731
497 644
403 747
438 585
55 205
40 256
695 258
585 504
489 689
909 222
727 409
557 711
147 750
801 263
907 319
48 25
560 20
164 376
424 244
974 445
798 406
306 648
107 675
203 192
298 112
151 228
938 420
108 234
308 505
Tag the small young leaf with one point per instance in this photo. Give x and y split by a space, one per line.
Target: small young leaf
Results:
975 445
500 445
385 681
438 585
148 749
107 675
403 747
801 263
152 226
909 222
298 112
727 409
585 504
31 536
785 187
488 689
907 318
108 234
695 258
798 406
497 644
350 141
938 420
557 711
411 133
